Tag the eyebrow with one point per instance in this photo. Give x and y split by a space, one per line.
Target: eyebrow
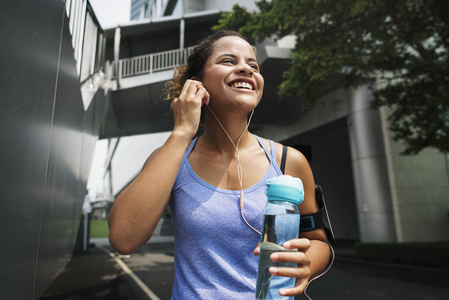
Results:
235 56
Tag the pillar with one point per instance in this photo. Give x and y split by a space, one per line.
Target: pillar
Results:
372 190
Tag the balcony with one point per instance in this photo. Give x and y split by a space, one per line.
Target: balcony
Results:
146 69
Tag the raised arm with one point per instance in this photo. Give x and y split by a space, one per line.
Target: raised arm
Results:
139 207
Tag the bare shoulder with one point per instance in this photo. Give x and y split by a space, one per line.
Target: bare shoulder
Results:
278 148
296 163
154 154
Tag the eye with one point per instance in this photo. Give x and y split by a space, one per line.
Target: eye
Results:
255 67
227 61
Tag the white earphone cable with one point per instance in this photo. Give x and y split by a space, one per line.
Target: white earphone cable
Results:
324 272
239 168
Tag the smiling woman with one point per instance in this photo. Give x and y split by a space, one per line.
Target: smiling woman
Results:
214 184
231 77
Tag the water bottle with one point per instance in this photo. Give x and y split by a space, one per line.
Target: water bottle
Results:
280 224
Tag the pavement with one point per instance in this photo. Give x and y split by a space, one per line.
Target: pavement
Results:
98 274
148 274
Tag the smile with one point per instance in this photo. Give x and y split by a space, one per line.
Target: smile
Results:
242 85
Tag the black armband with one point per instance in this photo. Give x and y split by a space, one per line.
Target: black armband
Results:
320 219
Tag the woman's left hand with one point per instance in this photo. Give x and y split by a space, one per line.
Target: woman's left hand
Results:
301 272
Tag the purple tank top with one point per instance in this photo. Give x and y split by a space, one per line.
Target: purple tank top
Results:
213 246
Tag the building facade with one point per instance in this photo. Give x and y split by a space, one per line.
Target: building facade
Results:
52 107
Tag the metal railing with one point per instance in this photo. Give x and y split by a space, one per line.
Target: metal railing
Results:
150 63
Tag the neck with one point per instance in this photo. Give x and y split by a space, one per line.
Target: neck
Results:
228 133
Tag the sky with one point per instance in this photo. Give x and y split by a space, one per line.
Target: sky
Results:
111 13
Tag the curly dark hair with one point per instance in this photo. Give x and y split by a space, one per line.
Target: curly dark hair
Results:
195 62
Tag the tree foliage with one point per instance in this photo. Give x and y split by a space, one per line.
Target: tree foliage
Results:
400 49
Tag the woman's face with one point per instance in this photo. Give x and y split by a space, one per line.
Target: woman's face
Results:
231 74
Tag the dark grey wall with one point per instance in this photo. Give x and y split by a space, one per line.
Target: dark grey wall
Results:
47 143
331 166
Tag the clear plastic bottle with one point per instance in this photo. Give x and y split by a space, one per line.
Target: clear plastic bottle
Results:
281 224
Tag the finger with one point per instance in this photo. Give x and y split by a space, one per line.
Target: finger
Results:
185 87
297 290
194 91
192 88
301 244
189 89
298 257
299 272
195 83
302 276
206 98
257 250
201 92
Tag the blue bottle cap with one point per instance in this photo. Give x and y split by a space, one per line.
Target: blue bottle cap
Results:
285 188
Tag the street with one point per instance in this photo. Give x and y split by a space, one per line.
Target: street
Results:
97 275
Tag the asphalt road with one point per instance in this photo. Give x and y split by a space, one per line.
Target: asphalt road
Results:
348 279
97 275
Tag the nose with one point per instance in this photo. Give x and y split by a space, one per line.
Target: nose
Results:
244 68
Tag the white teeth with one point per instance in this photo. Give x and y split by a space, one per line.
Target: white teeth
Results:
241 84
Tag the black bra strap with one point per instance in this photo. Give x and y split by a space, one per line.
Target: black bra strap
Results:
283 159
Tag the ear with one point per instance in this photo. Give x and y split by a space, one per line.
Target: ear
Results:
195 78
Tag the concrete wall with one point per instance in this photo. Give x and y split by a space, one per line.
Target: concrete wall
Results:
330 160
47 144
370 168
420 192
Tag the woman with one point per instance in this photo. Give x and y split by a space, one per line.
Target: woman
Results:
205 180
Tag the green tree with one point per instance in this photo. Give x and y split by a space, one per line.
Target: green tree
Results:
400 49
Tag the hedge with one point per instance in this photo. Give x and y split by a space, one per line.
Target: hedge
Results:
433 255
